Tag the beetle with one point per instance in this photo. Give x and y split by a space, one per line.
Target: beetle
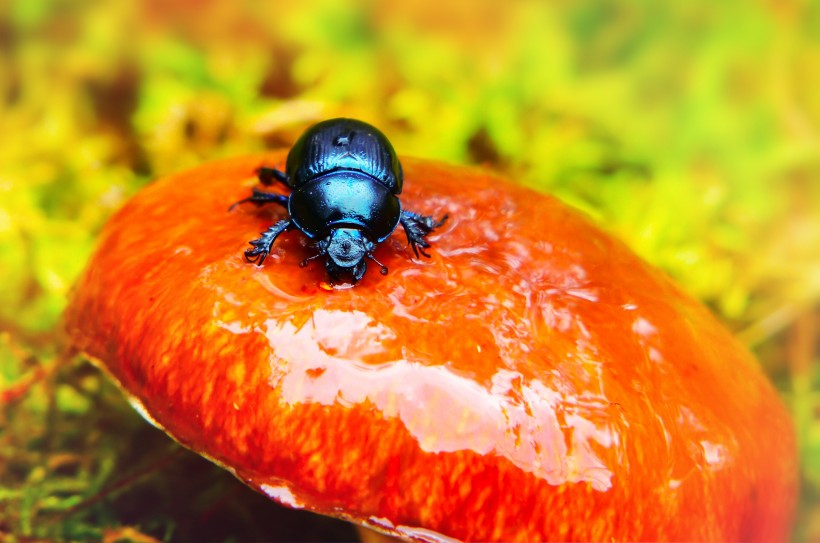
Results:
345 178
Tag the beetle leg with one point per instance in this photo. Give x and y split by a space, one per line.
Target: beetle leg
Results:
262 245
268 175
417 227
260 197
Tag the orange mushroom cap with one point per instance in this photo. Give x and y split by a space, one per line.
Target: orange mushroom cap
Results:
533 380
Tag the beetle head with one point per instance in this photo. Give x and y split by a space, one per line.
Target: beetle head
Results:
346 249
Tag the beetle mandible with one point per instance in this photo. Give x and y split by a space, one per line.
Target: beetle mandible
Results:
345 179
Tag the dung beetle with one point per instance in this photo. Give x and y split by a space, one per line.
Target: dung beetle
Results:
345 179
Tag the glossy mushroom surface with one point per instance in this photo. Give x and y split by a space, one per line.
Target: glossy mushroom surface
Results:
533 380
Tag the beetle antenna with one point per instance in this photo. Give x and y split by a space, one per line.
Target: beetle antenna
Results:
303 263
383 270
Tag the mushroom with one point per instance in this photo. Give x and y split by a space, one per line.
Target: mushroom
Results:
533 380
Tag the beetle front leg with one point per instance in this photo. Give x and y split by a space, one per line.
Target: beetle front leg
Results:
260 197
417 227
262 245
268 175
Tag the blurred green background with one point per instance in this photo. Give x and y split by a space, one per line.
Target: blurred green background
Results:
691 129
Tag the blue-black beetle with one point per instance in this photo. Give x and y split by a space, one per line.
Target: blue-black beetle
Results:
344 178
